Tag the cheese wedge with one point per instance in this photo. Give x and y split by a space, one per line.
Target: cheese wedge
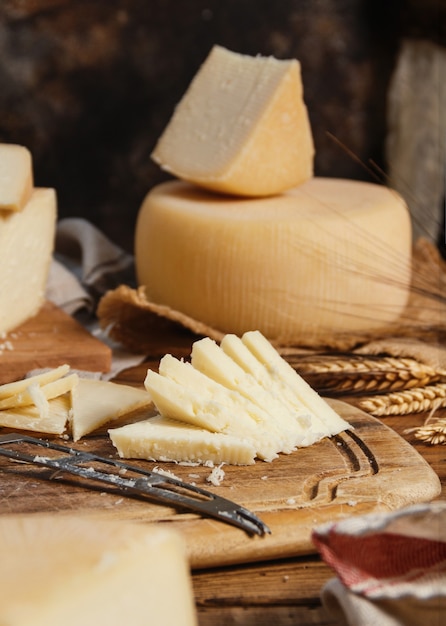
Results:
96 402
46 392
16 177
17 387
290 381
302 267
26 246
241 128
71 570
164 439
52 420
194 404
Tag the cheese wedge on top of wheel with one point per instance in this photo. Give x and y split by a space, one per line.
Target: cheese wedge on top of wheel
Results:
327 257
16 177
241 128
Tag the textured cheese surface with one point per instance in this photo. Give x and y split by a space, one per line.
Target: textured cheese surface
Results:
96 402
53 421
16 177
241 128
164 439
26 247
329 256
255 400
67 570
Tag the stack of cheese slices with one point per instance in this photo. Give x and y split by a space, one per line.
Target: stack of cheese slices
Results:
27 226
232 403
245 236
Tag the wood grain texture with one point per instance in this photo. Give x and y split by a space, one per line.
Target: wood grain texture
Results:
49 339
369 468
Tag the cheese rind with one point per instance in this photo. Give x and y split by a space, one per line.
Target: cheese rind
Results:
309 264
26 247
71 570
241 128
16 177
164 439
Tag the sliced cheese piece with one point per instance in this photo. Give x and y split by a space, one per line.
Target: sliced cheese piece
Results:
16 177
71 570
51 421
26 246
211 360
301 267
17 387
242 127
96 402
192 403
164 439
46 392
281 370
213 392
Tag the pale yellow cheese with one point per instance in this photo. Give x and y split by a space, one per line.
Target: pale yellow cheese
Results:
48 391
17 387
242 127
244 389
96 402
330 256
163 439
16 177
26 247
53 421
71 570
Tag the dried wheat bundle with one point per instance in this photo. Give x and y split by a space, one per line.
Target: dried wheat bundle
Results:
432 431
352 374
417 400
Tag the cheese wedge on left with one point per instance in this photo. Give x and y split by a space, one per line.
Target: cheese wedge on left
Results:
73 570
26 247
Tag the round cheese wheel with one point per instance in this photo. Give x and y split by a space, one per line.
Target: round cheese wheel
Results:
329 256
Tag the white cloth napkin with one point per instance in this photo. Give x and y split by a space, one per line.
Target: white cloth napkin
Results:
391 568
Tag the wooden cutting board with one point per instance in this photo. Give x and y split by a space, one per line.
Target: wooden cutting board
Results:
367 469
49 339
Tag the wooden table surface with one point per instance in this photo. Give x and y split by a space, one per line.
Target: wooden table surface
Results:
283 592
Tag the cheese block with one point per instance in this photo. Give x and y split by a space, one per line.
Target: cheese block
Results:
18 387
331 256
241 128
26 247
70 570
36 393
16 177
163 439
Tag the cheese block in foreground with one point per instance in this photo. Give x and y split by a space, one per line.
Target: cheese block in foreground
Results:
241 127
26 247
16 177
200 414
70 570
330 256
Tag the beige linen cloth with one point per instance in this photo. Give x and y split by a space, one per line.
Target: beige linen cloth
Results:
86 264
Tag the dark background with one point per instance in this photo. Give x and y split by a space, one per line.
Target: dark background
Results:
88 86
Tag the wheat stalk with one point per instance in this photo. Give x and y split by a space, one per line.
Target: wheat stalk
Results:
365 374
415 400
